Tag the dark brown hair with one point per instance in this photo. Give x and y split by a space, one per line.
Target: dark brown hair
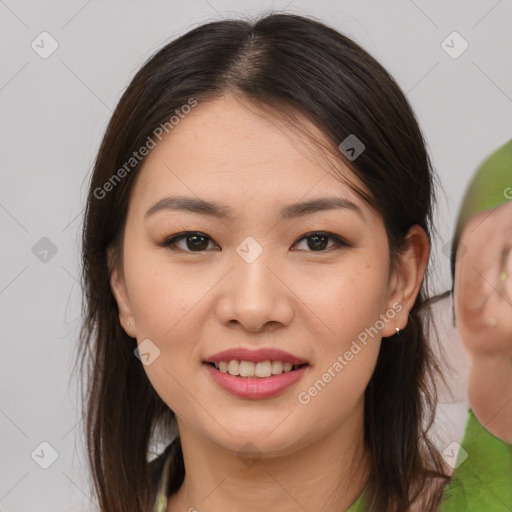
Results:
300 68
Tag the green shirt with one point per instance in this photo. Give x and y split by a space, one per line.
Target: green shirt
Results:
481 481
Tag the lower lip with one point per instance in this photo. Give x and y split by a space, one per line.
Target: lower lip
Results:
256 387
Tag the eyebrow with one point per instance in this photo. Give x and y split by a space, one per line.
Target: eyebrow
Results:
203 207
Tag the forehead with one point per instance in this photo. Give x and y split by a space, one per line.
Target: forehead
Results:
240 154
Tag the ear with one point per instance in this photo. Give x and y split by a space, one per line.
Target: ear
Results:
118 287
406 278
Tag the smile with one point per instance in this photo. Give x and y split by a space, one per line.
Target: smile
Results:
263 369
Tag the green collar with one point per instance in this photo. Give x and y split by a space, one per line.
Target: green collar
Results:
356 506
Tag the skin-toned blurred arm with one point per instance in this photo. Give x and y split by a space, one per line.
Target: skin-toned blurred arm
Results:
483 309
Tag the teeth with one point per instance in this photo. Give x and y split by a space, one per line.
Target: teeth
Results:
277 367
262 369
246 368
233 368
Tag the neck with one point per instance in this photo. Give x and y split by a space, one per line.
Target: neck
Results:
326 474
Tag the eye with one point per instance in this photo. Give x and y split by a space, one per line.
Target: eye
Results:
319 239
195 241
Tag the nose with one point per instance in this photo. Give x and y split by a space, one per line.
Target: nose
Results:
255 296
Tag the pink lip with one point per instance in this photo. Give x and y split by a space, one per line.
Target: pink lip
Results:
256 356
256 387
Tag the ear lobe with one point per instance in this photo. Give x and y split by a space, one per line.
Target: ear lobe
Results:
118 287
407 277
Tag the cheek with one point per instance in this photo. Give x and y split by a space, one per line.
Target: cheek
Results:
347 354
351 308
350 302
161 294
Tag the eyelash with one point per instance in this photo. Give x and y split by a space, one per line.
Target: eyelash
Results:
170 243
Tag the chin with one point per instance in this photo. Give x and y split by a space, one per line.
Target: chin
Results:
263 443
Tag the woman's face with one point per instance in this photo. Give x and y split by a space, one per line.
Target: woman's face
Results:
254 280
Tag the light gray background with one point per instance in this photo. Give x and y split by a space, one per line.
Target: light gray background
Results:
54 112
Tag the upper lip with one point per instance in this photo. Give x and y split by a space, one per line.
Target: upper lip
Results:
256 356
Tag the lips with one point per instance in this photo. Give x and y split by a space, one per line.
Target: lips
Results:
287 370
255 387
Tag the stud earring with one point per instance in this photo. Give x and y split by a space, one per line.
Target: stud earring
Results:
127 323
397 330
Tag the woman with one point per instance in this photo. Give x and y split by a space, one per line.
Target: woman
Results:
255 250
